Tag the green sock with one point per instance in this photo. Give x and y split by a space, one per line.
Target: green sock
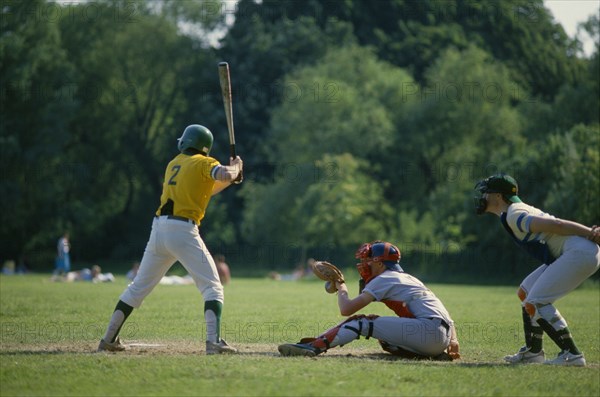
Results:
212 316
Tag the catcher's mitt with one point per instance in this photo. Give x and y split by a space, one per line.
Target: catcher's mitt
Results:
328 272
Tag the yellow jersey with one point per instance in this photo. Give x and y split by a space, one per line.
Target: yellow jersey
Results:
188 184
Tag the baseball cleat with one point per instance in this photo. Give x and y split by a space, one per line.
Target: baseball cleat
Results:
443 356
115 346
524 356
298 349
567 358
219 348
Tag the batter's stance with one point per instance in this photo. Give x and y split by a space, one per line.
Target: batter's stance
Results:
568 257
422 327
191 178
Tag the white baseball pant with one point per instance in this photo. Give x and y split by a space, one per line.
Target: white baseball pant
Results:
579 260
424 336
173 240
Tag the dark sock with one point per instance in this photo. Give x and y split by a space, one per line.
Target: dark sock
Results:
124 307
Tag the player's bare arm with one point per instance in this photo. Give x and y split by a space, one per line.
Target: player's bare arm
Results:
219 187
350 306
559 226
595 235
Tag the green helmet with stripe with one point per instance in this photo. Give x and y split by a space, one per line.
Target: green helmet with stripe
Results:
196 137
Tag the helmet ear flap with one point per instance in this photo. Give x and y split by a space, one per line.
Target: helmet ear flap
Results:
180 144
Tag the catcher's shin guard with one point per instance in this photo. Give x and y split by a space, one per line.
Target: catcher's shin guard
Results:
332 337
323 341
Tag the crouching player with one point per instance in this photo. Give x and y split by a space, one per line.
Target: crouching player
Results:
569 254
422 327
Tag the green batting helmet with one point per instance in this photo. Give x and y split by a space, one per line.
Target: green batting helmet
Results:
197 137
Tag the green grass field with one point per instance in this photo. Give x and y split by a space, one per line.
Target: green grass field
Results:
49 332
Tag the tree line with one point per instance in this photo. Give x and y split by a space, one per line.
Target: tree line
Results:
356 121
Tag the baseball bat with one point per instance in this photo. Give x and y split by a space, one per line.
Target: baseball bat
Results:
225 80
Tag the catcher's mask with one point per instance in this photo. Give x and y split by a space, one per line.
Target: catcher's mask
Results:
499 183
377 251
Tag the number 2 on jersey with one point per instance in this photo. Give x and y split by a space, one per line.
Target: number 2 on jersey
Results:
175 170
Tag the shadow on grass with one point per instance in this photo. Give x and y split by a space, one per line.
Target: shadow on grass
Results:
390 358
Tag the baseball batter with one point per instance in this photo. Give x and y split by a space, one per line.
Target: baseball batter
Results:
569 254
422 327
191 179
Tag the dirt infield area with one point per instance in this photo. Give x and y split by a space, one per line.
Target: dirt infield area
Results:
178 348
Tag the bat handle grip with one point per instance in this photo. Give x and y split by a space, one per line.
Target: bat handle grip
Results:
233 154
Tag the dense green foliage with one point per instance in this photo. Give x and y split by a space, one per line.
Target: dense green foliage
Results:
356 120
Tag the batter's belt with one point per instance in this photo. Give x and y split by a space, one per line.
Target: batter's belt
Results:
177 218
167 211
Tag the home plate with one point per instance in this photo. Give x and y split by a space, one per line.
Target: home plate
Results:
146 345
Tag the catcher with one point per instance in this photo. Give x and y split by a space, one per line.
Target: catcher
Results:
422 329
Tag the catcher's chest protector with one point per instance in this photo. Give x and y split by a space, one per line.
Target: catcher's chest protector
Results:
399 308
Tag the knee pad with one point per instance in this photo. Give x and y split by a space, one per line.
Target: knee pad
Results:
531 310
547 312
522 294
